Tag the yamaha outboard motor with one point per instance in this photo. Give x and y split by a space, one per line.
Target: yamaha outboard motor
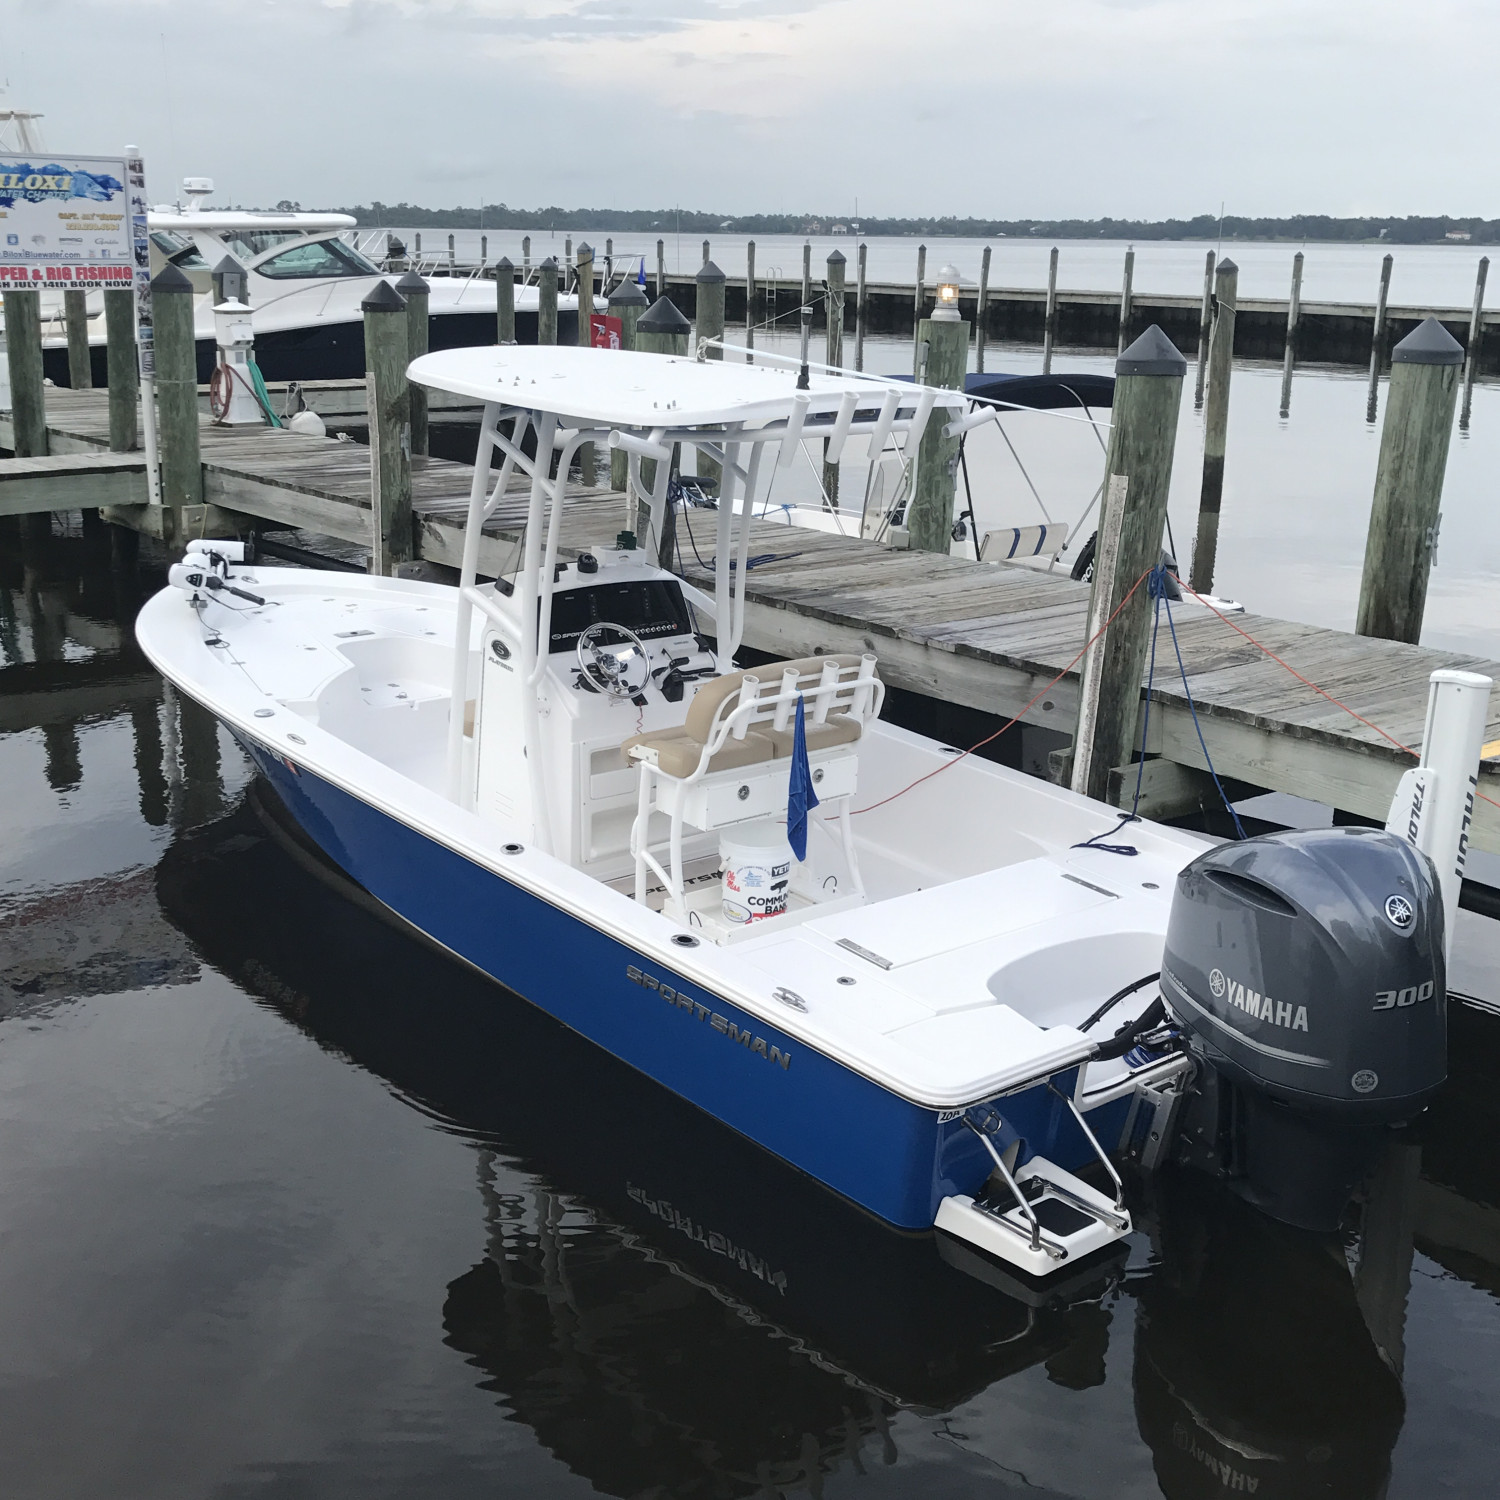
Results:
1306 972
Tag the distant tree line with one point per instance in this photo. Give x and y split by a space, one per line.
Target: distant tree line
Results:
1411 230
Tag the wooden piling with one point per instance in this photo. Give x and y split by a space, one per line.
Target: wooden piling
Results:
585 282
414 293
626 302
526 260
750 298
859 306
661 329
919 294
484 250
176 398
76 312
452 255
546 311
1409 483
1138 472
388 397
1216 423
1293 319
981 310
1049 322
1476 337
23 352
806 273
1377 339
710 311
1205 326
929 516
709 325
122 369
661 268
833 312
1127 299
705 252
505 301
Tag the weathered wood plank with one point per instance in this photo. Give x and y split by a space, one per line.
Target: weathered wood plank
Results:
68 481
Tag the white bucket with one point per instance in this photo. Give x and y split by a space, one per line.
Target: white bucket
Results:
757 871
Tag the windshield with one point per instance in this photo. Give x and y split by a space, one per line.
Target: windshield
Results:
179 250
246 244
316 258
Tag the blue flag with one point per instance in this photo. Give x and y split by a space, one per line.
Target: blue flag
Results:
801 799
640 279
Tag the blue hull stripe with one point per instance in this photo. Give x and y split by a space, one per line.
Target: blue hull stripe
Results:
893 1157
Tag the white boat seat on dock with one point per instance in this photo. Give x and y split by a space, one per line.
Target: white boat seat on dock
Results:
1018 543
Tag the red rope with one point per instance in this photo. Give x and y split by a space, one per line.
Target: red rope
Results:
1260 645
1027 709
1307 682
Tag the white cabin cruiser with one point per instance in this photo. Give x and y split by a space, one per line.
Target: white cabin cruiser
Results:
928 981
305 283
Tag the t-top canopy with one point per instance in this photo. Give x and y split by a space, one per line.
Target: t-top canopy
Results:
623 388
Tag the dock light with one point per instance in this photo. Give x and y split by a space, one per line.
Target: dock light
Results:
946 310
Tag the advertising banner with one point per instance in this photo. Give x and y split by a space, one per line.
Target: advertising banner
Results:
65 223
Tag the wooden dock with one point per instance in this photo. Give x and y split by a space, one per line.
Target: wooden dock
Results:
987 637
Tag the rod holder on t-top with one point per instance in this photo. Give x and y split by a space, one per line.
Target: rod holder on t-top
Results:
802 374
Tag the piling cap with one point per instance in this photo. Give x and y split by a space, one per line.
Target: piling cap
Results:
171 279
1227 265
383 298
1429 343
585 250
505 263
550 264
836 258
1151 354
709 272
411 282
229 266
628 294
663 317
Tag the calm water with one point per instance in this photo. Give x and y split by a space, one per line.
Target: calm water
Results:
1422 275
1297 491
295 1207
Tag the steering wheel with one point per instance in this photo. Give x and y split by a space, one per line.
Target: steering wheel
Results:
619 667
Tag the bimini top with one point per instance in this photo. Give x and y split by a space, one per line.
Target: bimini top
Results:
622 388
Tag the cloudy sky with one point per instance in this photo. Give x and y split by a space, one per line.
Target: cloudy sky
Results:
1011 108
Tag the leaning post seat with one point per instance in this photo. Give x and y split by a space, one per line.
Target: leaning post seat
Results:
745 722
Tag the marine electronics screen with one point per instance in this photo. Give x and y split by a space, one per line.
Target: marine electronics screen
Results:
652 607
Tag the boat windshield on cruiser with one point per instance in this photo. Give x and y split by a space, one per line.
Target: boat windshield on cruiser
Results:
305 281
949 991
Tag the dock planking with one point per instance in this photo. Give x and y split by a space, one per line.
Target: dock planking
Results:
987 637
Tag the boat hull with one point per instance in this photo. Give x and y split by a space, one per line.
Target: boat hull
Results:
326 350
894 1157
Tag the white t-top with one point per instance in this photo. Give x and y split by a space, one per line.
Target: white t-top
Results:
622 388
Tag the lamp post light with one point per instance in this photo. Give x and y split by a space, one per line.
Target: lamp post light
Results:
946 308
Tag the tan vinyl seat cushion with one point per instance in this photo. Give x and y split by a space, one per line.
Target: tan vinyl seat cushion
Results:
678 751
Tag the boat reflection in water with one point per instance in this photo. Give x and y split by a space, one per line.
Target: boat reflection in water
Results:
672 1310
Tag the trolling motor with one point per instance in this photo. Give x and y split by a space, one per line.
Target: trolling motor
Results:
204 571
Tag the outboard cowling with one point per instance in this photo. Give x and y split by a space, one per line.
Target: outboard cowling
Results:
1306 972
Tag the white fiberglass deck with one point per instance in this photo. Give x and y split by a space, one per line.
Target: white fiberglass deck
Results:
983 937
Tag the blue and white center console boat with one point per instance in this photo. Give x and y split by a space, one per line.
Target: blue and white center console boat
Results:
941 1000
